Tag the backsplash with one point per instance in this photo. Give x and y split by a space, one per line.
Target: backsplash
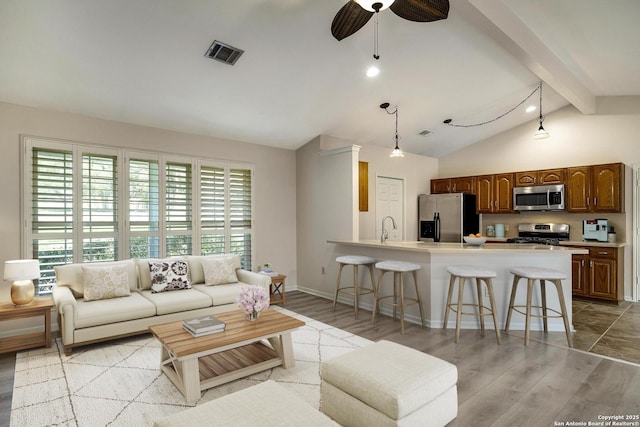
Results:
511 222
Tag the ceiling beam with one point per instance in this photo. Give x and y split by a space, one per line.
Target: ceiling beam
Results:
499 21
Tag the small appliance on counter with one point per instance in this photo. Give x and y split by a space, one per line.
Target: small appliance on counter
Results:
595 229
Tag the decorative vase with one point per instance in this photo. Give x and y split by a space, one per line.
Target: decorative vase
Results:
267 270
253 316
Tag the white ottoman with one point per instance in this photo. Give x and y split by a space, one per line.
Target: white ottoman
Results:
388 384
265 404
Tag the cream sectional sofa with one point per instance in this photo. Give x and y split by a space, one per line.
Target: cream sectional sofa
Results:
83 322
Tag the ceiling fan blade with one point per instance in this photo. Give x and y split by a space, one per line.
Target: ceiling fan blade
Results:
421 10
349 19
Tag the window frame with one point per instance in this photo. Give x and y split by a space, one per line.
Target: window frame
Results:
123 233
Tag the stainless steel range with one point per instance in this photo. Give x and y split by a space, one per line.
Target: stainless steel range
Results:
544 234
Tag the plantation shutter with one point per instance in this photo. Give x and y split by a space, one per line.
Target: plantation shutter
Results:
240 214
178 208
144 208
212 210
51 212
99 208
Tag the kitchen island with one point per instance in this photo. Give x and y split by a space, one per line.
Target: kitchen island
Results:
433 278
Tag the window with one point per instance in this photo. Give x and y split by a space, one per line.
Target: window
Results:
85 204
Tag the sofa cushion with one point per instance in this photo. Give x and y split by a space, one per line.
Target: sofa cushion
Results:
72 275
169 275
94 313
104 282
219 270
223 294
173 302
195 265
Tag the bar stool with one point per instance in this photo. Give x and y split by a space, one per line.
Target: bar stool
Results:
355 290
541 274
462 273
397 299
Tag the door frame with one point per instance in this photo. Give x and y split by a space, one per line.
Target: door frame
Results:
635 288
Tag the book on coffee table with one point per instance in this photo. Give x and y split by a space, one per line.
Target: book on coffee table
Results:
204 325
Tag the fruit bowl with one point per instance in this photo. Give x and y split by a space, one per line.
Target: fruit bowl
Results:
476 241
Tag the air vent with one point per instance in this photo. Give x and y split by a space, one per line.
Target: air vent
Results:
425 132
223 52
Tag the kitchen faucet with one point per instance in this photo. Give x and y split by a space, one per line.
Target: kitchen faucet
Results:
385 234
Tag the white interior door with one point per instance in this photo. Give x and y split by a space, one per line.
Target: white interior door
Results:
390 202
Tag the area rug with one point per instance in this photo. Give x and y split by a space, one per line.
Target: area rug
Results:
119 383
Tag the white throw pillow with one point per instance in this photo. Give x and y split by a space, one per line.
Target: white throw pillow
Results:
219 270
101 282
169 275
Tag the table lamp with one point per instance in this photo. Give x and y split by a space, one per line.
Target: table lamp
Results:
22 272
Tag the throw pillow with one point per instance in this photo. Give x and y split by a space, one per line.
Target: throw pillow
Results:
219 270
169 275
105 282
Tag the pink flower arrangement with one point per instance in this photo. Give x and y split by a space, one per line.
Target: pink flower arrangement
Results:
252 300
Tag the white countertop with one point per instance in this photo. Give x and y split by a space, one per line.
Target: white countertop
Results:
419 246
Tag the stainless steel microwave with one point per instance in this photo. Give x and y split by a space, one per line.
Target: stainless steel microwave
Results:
539 198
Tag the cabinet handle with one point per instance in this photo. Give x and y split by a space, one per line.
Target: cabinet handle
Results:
595 201
590 263
604 253
454 188
583 263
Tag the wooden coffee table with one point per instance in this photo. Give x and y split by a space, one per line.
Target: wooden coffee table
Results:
194 364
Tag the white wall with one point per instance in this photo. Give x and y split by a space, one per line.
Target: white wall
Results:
575 140
326 196
275 175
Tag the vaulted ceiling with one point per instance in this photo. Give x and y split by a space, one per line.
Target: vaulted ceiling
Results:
143 62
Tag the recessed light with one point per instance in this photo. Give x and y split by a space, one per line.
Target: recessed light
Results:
530 109
373 71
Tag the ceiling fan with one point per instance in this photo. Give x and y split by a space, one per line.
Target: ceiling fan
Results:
356 13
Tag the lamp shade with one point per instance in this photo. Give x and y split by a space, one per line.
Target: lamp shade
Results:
21 269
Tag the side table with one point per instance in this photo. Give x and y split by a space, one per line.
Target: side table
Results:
276 289
39 307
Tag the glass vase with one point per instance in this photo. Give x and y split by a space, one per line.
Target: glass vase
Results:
253 316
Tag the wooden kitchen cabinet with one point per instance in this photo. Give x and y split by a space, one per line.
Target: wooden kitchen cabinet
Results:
440 185
580 274
596 275
462 184
494 193
539 177
597 188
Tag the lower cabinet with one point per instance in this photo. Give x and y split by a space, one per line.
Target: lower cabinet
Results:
599 274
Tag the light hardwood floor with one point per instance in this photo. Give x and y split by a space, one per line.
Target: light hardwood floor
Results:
506 385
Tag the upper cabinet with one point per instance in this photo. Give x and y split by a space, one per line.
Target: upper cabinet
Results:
462 184
541 177
598 188
494 193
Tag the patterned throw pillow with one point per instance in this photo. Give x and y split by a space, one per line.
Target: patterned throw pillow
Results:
219 270
169 275
105 282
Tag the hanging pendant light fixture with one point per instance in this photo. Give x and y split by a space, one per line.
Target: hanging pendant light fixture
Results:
397 152
541 133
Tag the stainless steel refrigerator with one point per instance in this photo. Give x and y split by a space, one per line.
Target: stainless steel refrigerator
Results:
447 217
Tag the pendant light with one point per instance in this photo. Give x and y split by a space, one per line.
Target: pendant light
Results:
397 152
541 133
